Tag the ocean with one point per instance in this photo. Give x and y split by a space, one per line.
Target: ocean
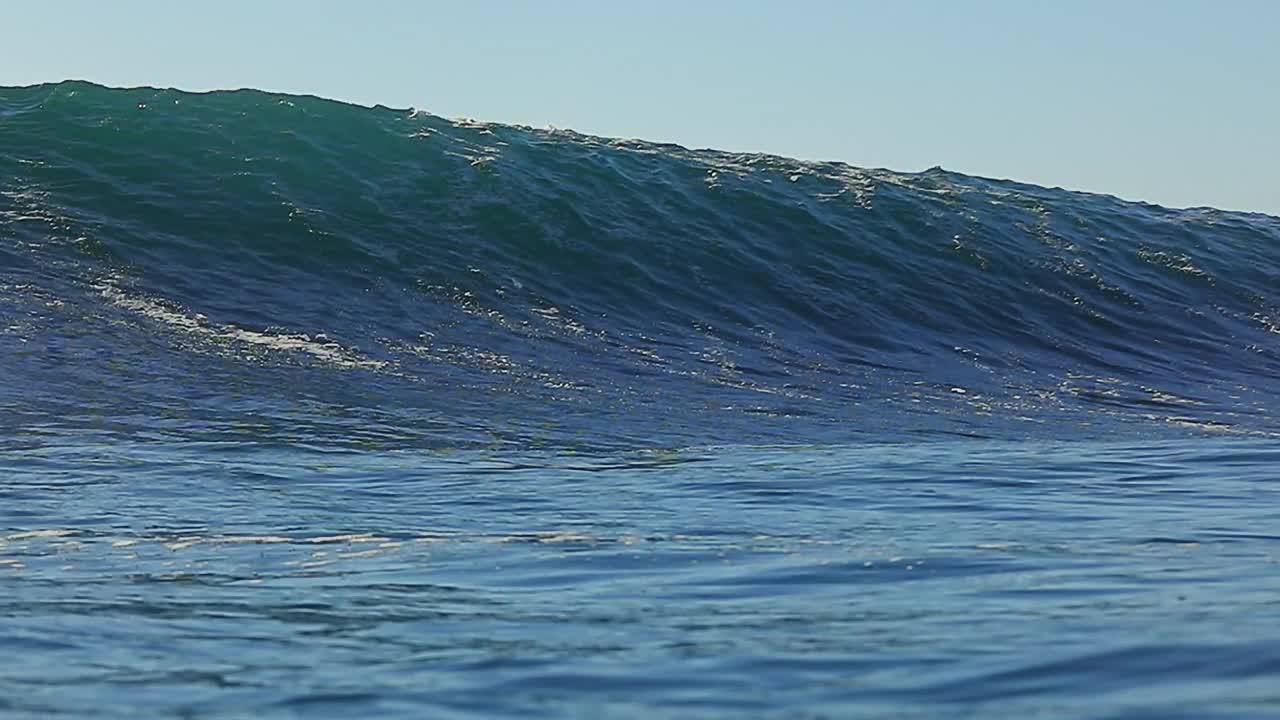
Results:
316 410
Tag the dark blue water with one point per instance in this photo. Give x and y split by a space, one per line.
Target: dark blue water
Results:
313 410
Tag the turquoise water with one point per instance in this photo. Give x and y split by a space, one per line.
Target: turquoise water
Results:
314 410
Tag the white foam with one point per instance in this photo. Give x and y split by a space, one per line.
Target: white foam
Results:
35 534
199 326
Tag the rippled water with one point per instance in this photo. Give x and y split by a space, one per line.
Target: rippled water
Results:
941 579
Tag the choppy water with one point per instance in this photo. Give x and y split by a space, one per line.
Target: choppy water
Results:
316 410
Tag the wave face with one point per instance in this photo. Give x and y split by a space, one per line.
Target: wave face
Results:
238 264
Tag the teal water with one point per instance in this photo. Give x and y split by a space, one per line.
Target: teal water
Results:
313 410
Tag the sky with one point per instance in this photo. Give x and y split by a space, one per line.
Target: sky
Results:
1168 101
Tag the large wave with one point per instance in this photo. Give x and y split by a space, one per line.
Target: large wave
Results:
242 263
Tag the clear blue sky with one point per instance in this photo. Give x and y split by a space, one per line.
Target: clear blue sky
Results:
1169 101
